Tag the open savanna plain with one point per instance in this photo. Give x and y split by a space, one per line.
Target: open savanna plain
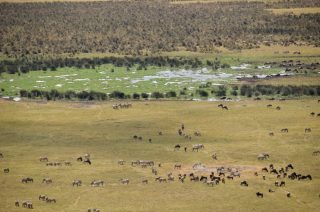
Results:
66 130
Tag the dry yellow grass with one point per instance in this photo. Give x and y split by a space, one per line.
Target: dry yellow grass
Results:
64 131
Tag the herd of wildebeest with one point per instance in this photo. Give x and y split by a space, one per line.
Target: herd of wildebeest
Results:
219 175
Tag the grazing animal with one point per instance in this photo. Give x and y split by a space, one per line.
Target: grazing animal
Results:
16 203
43 159
288 194
87 160
265 169
230 177
244 183
225 108
212 182
177 147
6 170
97 183
271 134
27 180
160 133
79 159
315 153
282 183
278 108
274 171
289 166
124 181
51 200
1 155
42 197
197 133
255 173
177 166
305 177
144 181
27 204
259 194
67 163
121 162
77 183
312 114
307 130
263 156
214 156
285 130
269 105
270 190
47 180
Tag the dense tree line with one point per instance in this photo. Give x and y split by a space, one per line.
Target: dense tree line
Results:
244 90
271 90
24 66
34 30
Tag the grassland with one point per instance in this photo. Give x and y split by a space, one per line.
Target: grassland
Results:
108 78
64 131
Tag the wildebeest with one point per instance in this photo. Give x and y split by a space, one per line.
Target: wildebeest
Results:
160 133
27 204
288 194
214 156
235 174
315 153
77 183
271 134
265 169
203 179
121 162
197 133
97 183
263 156
244 183
6 170
285 130
274 171
177 166
42 197
87 160
67 163
304 177
182 177
269 105
144 181
230 177
16 203
43 159
312 114
278 108
259 194
307 130
177 147
1 155
124 181
225 107
197 147
51 200
27 180
47 180
289 166
212 182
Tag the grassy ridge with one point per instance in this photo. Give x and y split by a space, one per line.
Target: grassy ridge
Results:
64 131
